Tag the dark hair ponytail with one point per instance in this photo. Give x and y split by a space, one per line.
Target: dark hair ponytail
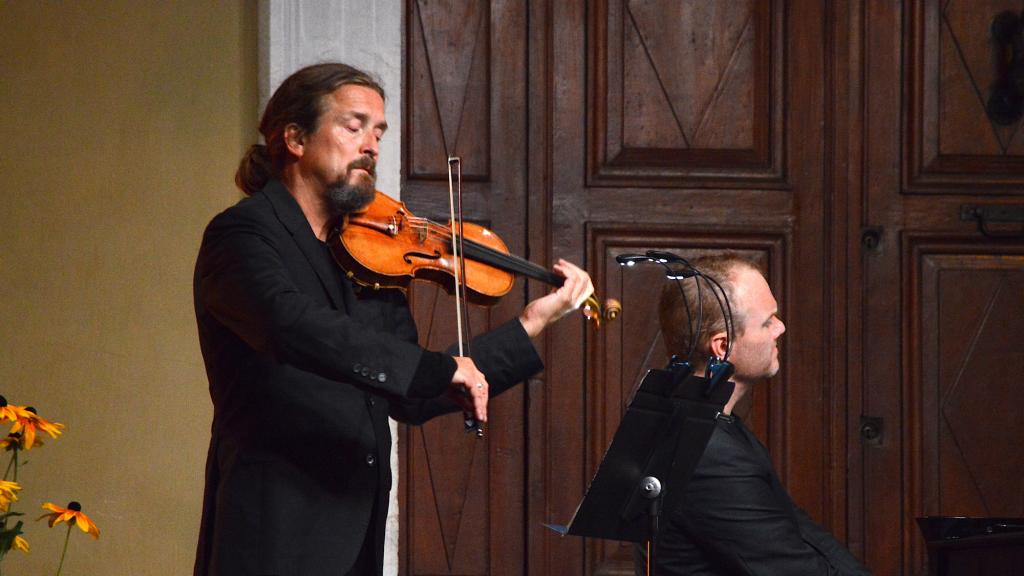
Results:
254 170
298 100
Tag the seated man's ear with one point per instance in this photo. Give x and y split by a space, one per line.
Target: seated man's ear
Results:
718 344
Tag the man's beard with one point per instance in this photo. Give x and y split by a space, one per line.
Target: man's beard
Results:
345 197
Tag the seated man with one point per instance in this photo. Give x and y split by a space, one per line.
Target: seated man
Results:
736 517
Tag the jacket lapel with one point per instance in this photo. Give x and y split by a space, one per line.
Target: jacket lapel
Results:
766 461
291 216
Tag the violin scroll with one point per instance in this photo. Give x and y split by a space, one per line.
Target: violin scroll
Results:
612 309
592 310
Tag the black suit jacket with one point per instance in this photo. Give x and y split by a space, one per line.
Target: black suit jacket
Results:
304 371
737 518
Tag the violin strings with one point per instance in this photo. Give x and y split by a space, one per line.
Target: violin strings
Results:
491 256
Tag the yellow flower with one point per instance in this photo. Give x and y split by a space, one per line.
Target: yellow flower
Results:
72 515
11 412
8 494
28 425
20 544
16 440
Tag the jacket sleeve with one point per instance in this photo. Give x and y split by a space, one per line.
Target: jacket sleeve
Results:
738 520
505 355
243 283
835 553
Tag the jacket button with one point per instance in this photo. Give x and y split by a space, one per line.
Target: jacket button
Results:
365 371
356 368
371 460
382 377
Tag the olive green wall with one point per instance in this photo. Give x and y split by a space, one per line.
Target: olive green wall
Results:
121 123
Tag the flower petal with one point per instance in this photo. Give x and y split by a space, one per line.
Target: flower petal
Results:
30 436
87 525
51 428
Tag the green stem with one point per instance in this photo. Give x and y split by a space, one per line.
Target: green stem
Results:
13 462
14 458
65 551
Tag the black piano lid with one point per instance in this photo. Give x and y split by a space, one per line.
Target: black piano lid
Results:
936 528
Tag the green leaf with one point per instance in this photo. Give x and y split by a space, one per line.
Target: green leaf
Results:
6 515
7 536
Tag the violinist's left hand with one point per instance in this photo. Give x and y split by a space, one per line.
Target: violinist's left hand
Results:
546 310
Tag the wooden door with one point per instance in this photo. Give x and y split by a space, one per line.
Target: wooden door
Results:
936 305
836 142
691 126
462 501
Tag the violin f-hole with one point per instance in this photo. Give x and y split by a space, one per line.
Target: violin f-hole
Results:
408 256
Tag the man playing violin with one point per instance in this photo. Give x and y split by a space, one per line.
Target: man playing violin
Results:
304 368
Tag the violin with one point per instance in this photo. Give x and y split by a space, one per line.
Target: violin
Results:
386 246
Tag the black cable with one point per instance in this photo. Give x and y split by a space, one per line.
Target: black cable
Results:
679 277
664 258
700 309
726 309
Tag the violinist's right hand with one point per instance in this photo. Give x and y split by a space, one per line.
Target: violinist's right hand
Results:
469 388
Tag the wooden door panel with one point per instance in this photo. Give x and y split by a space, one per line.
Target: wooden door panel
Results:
951 142
445 475
627 160
448 88
462 501
682 92
922 277
965 380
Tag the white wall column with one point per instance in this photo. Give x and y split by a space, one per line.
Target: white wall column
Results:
366 34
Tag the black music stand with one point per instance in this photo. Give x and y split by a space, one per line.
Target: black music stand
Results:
662 436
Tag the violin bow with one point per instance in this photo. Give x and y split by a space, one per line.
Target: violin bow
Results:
461 304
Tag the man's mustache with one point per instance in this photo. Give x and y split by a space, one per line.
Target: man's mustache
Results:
365 163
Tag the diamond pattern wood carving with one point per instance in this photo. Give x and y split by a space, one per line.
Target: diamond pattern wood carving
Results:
968 73
448 86
699 54
686 92
980 391
454 517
